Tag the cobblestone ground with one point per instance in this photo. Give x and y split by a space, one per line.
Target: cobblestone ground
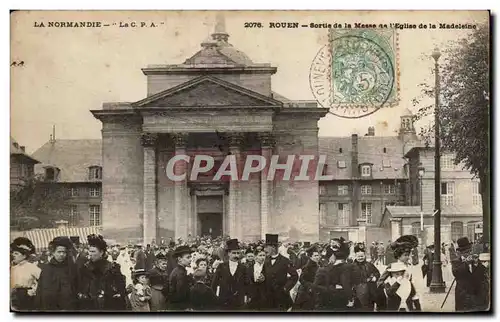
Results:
431 302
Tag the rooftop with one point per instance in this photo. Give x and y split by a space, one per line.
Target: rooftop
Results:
71 157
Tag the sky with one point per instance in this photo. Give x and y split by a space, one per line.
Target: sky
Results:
69 71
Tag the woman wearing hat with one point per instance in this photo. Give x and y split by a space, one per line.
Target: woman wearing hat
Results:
332 283
399 289
158 278
140 291
179 281
101 283
402 248
472 289
365 280
305 294
23 275
57 286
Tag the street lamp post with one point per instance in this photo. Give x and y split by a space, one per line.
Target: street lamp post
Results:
423 237
437 283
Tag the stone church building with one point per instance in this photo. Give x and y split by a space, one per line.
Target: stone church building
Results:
217 102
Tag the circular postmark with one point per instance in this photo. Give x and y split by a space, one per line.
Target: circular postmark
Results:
353 76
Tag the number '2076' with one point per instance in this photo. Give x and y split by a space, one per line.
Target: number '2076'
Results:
253 25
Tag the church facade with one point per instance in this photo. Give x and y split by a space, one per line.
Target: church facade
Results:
217 103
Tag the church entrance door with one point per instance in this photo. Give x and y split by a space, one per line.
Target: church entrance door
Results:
211 224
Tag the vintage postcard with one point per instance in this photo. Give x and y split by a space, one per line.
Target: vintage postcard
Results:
252 161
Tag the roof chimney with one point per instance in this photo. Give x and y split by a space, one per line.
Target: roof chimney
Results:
371 131
354 158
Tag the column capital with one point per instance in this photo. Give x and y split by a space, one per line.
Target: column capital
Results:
180 139
266 139
236 139
149 139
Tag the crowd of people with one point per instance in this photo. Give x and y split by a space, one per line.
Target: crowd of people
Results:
223 274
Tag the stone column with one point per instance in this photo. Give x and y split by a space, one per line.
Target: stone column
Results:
181 190
234 218
396 228
361 230
266 142
149 141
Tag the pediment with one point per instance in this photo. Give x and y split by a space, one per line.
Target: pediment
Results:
206 91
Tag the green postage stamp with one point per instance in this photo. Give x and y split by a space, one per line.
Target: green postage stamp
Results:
362 73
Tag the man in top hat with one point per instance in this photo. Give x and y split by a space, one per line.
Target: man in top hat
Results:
232 279
472 289
179 280
276 270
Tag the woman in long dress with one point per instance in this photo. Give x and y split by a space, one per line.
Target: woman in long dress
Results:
57 286
305 294
101 283
23 275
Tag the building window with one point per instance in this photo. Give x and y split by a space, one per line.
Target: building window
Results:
73 215
340 150
95 215
415 229
447 192
94 192
24 171
366 212
343 214
389 189
341 164
343 190
95 173
322 212
322 190
385 150
386 163
366 190
447 162
73 192
476 194
457 230
51 174
366 171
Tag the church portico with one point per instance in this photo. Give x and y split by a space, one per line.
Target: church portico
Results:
213 118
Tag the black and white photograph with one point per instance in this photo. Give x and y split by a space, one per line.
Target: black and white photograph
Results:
250 161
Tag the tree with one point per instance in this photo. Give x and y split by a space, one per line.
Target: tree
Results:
37 204
465 109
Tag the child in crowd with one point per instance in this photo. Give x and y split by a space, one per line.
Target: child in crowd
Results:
140 292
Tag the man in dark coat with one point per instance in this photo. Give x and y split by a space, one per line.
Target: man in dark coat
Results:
471 291
428 265
179 281
57 285
276 270
140 258
232 279
150 257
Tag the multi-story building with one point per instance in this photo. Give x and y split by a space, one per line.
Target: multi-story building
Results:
76 168
461 207
21 164
368 175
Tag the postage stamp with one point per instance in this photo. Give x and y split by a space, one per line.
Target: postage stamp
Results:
356 73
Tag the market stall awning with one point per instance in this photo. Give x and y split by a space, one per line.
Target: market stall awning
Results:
42 237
